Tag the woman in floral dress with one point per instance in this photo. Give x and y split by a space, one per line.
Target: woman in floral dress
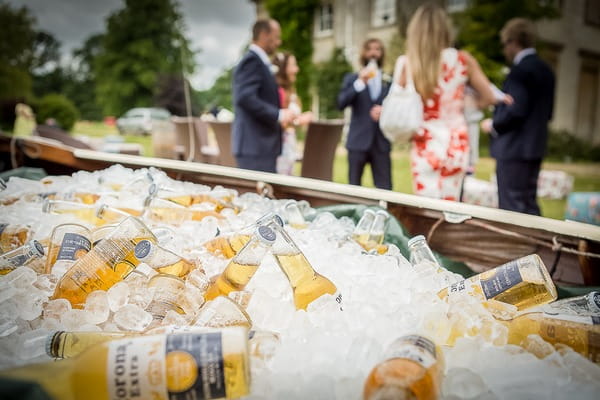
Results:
439 154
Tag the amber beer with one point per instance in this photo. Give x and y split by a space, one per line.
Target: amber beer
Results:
207 365
162 260
243 266
20 256
109 262
412 370
12 236
523 283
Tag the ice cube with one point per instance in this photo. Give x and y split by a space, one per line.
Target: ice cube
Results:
98 306
31 303
46 283
7 326
132 318
198 279
74 319
56 308
463 383
118 296
33 344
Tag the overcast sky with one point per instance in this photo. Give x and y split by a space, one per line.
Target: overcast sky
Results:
220 28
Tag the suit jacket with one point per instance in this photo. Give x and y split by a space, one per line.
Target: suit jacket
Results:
522 128
364 133
256 130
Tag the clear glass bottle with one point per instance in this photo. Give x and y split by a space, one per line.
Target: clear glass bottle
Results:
242 267
207 365
222 311
85 212
581 333
68 243
307 284
167 289
362 229
420 253
293 215
412 369
162 260
109 262
20 256
229 245
377 232
586 305
13 236
113 215
522 283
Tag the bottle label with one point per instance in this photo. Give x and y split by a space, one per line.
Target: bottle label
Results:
73 247
338 298
506 276
593 301
416 348
177 367
142 249
457 287
2 228
592 320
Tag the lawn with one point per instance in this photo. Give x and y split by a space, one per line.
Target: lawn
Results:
587 175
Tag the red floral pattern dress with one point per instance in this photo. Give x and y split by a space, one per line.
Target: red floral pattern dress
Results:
439 153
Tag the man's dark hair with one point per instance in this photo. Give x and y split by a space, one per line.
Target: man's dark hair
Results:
363 54
261 25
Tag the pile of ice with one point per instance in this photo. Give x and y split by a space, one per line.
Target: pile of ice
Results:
324 353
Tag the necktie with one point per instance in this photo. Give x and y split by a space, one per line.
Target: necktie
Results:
374 85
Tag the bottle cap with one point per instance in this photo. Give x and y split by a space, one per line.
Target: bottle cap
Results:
266 234
383 213
50 341
143 249
368 211
36 248
415 239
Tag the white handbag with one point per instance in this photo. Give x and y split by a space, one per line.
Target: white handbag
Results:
402 109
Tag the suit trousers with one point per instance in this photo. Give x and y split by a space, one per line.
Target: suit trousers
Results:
264 163
517 185
381 167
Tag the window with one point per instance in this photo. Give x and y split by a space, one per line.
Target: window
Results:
456 5
324 25
383 12
592 13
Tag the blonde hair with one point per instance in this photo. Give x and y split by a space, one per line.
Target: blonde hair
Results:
429 32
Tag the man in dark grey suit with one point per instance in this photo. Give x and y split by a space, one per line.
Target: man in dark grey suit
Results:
256 140
364 92
519 131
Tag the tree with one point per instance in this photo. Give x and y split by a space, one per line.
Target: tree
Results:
143 41
328 81
219 95
296 19
480 24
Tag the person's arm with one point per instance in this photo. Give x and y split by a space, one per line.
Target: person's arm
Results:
509 117
350 88
479 82
247 82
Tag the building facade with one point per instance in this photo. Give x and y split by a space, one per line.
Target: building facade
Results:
571 47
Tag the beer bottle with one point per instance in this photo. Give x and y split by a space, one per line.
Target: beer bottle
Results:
242 267
412 369
85 212
111 260
522 283
581 333
586 305
20 256
229 245
307 284
162 260
293 215
167 289
361 231
207 365
13 236
68 243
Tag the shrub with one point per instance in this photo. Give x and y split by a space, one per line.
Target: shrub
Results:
58 107
563 146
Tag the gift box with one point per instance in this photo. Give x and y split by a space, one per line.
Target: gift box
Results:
584 207
554 184
480 192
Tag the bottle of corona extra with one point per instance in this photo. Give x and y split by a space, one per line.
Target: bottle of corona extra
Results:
167 289
207 365
230 245
68 243
242 267
307 284
581 333
293 215
111 260
586 305
361 231
420 253
20 256
412 370
13 236
162 260
85 212
522 283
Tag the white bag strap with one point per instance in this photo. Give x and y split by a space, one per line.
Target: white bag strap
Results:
402 60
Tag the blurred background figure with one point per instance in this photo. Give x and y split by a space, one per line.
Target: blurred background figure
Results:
519 131
439 154
287 71
364 92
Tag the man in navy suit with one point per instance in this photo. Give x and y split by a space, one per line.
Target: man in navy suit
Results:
364 92
519 131
256 136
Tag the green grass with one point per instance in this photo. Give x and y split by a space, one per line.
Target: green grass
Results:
587 175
